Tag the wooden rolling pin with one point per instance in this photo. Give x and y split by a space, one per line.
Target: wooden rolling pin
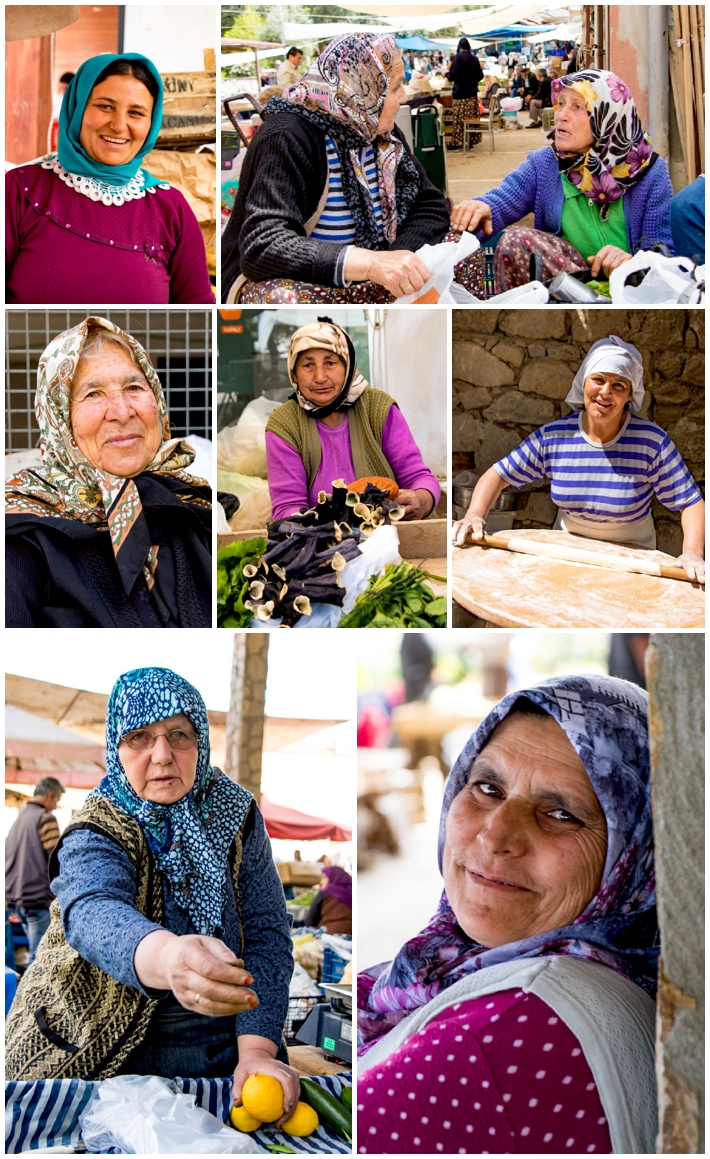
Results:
579 555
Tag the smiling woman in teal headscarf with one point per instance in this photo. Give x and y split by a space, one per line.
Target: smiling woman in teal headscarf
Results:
92 192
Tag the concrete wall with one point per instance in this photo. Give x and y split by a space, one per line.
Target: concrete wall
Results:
512 370
674 669
173 36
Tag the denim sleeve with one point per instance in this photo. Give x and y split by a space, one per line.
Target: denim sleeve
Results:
96 889
268 952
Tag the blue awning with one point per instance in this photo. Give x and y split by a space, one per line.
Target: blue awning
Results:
417 44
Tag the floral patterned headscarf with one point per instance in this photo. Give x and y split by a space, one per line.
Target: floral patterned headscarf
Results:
606 721
191 838
326 335
344 93
68 487
621 152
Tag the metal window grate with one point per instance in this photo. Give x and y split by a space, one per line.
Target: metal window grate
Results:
179 343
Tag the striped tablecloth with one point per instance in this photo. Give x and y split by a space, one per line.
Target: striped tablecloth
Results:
46 1114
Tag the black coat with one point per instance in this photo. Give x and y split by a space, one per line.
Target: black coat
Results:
284 173
465 72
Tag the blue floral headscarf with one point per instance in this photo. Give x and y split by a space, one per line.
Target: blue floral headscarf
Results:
606 721
190 839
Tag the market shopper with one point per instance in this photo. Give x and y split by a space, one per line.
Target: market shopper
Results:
89 223
169 951
335 426
522 1019
112 530
466 74
28 845
332 907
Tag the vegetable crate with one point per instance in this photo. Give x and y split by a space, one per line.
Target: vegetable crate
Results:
298 1011
333 966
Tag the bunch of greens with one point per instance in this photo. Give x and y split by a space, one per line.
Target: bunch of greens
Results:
232 584
398 599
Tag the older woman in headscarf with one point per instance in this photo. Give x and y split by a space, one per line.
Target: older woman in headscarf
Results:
598 191
169 950
521 1019
113 531
332 907
89 223
605 463
331 203
335 426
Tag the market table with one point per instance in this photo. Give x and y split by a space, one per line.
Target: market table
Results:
46 1114
512 590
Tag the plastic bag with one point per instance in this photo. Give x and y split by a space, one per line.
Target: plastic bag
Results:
146 1115
531 294
379 549
440 260
511 104
242 448
254 511
302 985
668 282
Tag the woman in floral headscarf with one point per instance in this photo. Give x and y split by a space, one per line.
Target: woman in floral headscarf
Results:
521 1019
598 191
113 531
330 194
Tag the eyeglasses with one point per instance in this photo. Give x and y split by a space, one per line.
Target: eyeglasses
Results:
145 738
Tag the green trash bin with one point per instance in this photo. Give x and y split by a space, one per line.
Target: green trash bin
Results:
429 144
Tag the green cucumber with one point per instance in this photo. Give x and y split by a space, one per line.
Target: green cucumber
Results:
330 1110
346 1098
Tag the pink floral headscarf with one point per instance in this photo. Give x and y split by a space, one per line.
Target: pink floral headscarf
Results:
621 152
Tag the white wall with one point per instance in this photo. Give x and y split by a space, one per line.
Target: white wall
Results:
172 36
415 374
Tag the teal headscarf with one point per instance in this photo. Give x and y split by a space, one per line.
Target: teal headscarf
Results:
72 156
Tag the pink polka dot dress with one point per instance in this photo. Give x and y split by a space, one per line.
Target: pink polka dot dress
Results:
497 1075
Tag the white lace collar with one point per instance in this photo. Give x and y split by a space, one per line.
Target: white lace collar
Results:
101 190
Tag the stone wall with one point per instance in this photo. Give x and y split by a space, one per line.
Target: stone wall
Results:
513 368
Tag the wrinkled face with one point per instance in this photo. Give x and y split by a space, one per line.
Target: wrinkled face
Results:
526 838
161 774
320 375
573 133
114 414
396 96
116 120
605 396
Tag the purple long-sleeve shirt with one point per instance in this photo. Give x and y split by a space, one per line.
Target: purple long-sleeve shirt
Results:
288 485
62 248
536 187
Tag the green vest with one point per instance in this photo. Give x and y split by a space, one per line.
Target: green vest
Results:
366 422
583 227
69 1019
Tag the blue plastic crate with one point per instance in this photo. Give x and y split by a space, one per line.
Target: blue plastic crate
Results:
333 965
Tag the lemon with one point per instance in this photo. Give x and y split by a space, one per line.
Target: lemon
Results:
242 1120
263 1097
303 1121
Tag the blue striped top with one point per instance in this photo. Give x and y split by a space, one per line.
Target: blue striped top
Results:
605 483
336 222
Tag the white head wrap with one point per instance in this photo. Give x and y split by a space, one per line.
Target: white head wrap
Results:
612 356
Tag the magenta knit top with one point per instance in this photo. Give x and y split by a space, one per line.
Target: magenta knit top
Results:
496 1075
288 485
62 248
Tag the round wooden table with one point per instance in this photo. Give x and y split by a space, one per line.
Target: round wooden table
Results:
511 590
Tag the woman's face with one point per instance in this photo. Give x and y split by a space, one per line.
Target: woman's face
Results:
396 96
161 774
116 120
605 396
114 414
526 838
324 880
320 375
573 133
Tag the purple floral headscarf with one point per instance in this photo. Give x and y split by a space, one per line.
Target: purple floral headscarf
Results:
621 152
606 721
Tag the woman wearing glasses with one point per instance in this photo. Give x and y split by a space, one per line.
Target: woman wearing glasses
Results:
168 951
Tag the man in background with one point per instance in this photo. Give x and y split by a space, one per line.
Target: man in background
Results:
288 73
27 848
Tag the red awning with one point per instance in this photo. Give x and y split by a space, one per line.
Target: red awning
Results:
292 825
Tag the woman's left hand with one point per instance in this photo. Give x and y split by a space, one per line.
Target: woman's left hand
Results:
255 1061
609 258
694 565
417 504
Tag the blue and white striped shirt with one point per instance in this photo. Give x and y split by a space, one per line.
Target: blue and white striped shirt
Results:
336 221
605 483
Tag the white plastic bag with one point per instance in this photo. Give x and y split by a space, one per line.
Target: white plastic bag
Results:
242 448
146 1115
302 985
511 104
531 294
379 549
668 282
440 261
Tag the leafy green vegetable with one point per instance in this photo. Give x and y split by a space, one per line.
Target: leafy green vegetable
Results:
398 599
232 585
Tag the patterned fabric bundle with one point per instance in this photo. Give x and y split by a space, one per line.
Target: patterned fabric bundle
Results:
606 721
621 152
343 93
326 335
69 487
189 839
